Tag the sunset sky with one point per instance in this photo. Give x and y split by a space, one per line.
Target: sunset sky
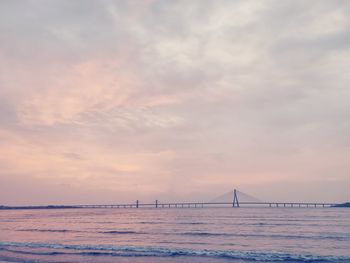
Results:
113 101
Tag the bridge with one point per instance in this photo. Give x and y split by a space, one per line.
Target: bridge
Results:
233 199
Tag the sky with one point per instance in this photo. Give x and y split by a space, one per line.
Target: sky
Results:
113 101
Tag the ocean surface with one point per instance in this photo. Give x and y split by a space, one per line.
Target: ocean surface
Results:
176 235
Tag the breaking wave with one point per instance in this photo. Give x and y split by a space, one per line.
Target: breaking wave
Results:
134 251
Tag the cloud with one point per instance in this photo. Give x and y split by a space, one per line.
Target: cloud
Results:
175 98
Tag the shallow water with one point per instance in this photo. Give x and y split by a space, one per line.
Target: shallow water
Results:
176 235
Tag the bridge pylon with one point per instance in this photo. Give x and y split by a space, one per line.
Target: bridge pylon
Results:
235 202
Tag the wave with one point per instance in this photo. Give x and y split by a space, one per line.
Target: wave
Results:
175 223
48 230
75 231
151 222
199 233
134 251
192 223
120 232
278 236
207 234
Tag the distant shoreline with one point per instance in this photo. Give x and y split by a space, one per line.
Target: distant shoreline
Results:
38 207
342 205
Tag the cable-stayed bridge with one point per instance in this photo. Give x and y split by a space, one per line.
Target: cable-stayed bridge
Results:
233 198
230 196
238 198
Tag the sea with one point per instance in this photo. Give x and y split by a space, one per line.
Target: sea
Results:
167 235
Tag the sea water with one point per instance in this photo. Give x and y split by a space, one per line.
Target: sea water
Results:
176 235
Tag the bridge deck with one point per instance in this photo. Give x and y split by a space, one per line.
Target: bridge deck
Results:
183 205
212 204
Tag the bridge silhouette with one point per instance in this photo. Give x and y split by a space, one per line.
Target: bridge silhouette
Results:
233 199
